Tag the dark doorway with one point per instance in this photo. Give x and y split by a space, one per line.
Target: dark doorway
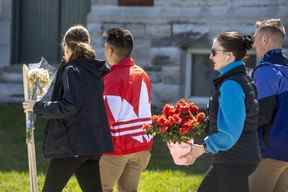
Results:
38 27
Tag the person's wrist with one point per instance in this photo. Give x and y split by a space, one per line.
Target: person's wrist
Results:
204 147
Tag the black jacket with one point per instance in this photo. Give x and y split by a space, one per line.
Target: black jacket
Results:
77 124
246 149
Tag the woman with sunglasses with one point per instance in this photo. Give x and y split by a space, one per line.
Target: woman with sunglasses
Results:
231 137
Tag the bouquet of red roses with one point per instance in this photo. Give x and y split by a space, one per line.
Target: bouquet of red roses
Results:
177 126
178 123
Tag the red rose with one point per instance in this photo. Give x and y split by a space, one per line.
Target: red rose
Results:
178 123
168 110
200 117
177 119
184 130
186 116
147 127
170 121
182 108
155 118
194 108
162 121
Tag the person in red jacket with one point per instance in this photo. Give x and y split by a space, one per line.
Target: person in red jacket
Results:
127 96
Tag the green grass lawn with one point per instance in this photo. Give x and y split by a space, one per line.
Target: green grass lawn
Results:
161 175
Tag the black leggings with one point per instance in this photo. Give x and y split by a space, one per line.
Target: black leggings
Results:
227 178
86 170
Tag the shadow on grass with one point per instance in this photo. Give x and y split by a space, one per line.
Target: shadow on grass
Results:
13 153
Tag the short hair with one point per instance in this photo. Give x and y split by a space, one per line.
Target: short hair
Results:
121 40
236 43
273 26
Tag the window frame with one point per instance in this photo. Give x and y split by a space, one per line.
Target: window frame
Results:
202 101
133 3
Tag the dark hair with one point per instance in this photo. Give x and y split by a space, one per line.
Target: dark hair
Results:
77 39
121 40
236 43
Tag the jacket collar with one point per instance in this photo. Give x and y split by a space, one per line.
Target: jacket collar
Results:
230 66
125 62
237 68
274 56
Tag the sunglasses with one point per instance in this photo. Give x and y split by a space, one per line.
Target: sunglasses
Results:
214 51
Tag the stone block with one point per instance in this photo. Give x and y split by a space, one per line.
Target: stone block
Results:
188 3
105 25
147 15
164 93
1 9
141 51
104 2
155 76
158 31
13 77
11 92
96 34
4 55
188 27
6 9
160 60
95 28
166 56
171 75
138 30
4 32
191 12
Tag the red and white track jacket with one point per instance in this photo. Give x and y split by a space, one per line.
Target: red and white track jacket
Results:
127 94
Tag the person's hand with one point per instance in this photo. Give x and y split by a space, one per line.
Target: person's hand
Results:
28 105
196 151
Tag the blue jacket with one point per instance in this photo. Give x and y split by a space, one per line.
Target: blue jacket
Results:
271 79
230 122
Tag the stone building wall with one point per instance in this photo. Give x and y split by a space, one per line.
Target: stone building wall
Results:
5 32
164 32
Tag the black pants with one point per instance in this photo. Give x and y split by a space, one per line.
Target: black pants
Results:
86 170
227 178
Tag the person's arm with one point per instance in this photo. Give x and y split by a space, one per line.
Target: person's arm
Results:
267 107
266 82
68 105
230 118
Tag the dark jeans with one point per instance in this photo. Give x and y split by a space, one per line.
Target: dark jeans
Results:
86 170
227 178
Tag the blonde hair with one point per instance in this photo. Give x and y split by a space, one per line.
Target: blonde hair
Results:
272 26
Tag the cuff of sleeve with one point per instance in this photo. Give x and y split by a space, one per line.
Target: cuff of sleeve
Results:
36 106
205 147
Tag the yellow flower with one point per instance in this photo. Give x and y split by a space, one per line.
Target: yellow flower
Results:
41 76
